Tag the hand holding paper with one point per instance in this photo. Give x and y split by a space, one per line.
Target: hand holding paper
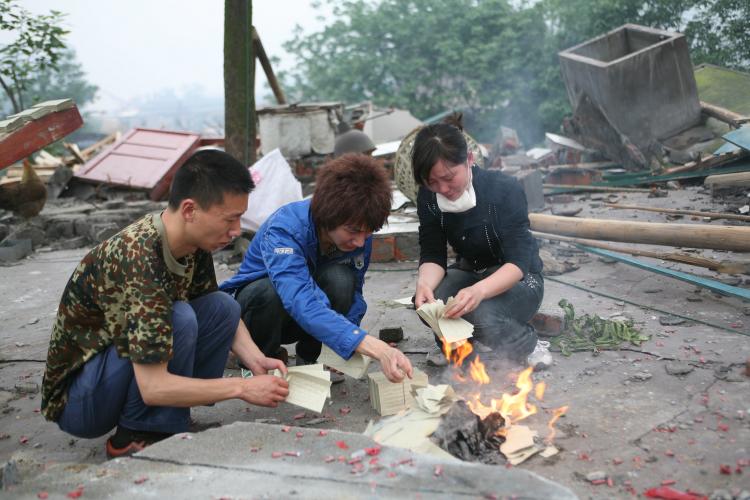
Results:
450 330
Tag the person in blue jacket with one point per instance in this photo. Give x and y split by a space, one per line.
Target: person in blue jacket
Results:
302 276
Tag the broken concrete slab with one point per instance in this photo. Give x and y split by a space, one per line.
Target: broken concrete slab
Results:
632 86
253 460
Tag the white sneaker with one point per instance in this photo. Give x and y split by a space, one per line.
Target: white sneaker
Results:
541 358
436 357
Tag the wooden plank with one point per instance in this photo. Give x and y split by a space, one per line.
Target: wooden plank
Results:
710 284
736 238
740 179
36 134
712 215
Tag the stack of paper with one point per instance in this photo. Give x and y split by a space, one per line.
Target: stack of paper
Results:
355 367
309 386
388 398
451 330
435 399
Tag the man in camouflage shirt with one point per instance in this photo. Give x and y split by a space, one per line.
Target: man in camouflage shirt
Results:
142 332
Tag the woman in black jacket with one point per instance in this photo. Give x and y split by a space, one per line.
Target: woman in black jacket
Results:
496 279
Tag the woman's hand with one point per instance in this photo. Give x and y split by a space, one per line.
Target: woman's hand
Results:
465 301
423 294
395 364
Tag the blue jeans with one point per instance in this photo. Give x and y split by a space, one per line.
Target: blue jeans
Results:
104 393
271 325
500 322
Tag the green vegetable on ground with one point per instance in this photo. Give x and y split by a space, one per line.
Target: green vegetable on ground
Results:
593 333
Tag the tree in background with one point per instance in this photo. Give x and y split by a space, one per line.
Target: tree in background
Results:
36 66
424 56
496 59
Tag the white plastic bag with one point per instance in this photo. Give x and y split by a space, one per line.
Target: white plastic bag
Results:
275 185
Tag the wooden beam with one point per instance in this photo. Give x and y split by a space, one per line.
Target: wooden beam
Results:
576 187
37 134
723 114
712 215
736 238
722 181
260 53
239 81
728 267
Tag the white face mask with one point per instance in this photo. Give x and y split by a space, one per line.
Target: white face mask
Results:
466 201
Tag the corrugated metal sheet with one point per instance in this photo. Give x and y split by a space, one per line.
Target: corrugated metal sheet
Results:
142 159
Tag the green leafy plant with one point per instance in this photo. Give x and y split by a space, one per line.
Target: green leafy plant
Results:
593 333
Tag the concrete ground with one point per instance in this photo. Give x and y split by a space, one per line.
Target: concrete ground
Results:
629 419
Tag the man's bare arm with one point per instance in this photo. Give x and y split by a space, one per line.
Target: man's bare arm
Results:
158 387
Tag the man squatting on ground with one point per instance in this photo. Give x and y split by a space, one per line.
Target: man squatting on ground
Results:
142 332
302 276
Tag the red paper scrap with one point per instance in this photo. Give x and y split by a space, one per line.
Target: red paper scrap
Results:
375 450
322 433
342 445
725 469
286 428
141 480
299 435
277 454
667 493
43 495
345 410
438 471
76 493
299 416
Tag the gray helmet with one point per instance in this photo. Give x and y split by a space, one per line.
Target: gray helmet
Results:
353 141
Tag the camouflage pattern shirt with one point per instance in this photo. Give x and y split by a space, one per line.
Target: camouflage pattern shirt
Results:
121 293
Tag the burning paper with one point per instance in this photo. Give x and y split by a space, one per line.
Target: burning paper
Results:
450 330
519 444
435 398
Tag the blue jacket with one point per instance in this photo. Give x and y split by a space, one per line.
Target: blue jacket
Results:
285 249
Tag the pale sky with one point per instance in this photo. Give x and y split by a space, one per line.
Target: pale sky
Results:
137 47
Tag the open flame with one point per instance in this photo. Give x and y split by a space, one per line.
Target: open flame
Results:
513 407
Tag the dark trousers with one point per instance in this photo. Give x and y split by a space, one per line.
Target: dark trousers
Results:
104 393
500 322
270 324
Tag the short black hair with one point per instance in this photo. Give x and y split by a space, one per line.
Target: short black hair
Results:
440 141
206 176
